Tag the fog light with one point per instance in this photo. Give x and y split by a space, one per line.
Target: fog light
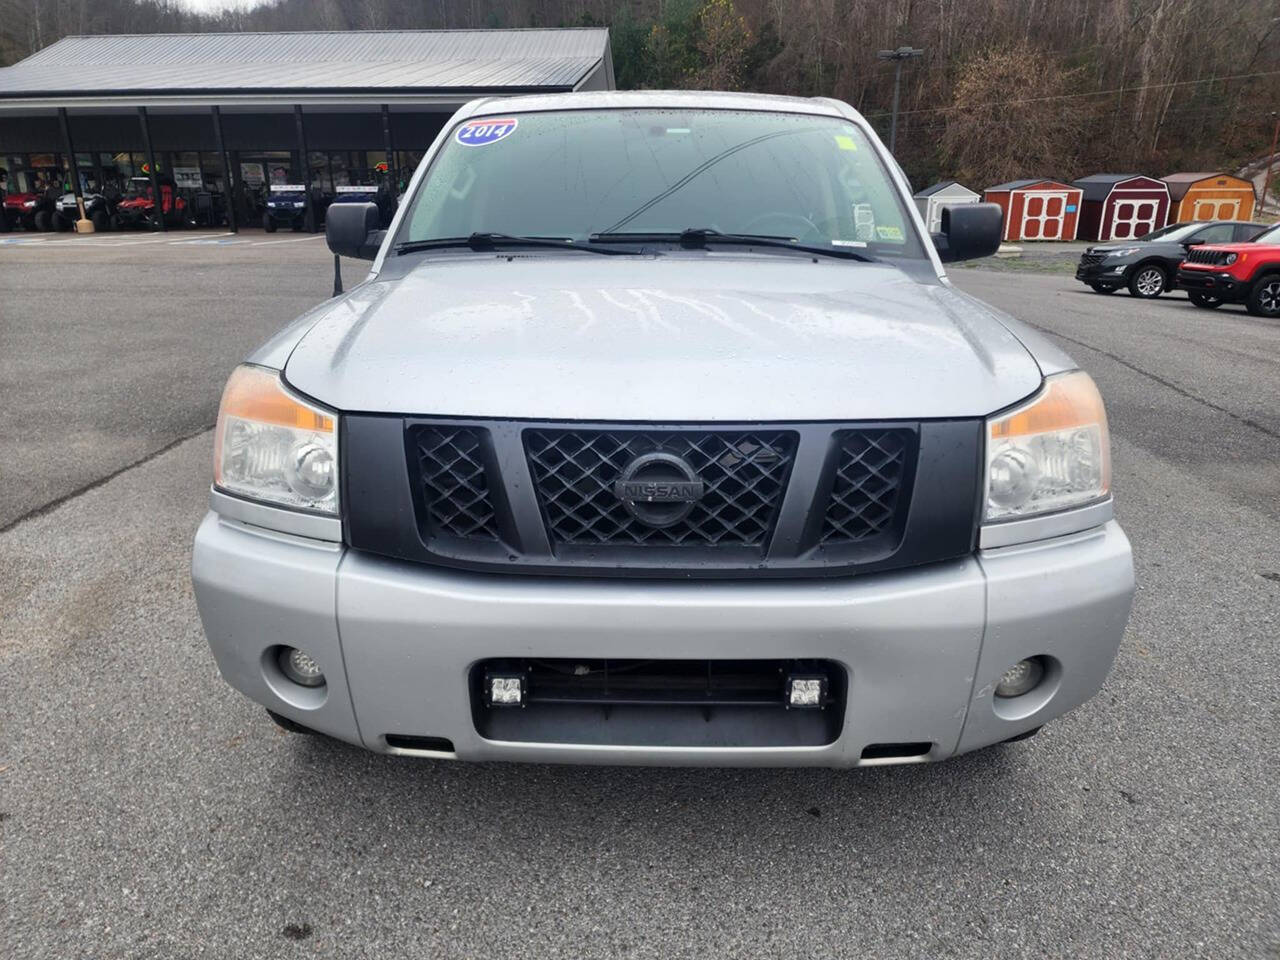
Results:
806 691
300 668
1021 678
505 690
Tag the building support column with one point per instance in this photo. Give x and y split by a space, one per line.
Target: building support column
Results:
305 165
83 225
228 186
389 148
151 162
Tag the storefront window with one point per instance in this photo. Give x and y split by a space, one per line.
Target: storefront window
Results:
373 166
406 163
211 172
187 175
318 163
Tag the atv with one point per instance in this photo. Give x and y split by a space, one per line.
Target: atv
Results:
382 195
137 209
98 208
287 207
31 211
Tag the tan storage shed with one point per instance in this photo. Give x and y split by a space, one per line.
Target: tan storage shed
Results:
1209 196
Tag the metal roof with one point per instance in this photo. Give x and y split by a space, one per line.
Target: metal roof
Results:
1098 186
1020 184
941 185
1180 183
466 61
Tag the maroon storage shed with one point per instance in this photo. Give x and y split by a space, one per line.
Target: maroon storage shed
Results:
1121 206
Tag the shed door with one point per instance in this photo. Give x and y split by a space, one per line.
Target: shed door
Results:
1133 218
1210 209
1043 214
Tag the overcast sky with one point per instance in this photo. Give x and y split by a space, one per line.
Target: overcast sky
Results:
213 6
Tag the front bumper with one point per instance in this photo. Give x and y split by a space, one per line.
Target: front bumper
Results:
923 648
1215 282
1107 274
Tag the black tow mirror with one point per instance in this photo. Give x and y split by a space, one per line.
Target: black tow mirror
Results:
969 231
351 230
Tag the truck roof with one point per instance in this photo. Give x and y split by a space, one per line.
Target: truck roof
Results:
640 99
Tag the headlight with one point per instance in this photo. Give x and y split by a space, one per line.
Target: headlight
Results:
271 446
1229 259
1053 453
28 204
1126 252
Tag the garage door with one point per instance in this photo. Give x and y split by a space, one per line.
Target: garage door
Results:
1043 215
1216 210
1133 218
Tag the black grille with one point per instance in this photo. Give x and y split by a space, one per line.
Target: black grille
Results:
868 478
1196 255
744 476
455 482
1089 259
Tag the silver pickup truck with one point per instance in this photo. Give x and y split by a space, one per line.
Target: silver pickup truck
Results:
657 435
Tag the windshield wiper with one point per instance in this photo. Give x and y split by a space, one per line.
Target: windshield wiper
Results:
703 237
492 241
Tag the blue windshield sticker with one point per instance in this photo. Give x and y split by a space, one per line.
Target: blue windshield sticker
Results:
481 133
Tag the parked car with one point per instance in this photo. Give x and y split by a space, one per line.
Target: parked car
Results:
689 455
136 209
1148 267
97 207
1247 273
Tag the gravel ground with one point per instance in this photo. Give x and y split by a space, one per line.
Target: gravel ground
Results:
146 810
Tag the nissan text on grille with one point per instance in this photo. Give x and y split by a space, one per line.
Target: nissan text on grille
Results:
656 434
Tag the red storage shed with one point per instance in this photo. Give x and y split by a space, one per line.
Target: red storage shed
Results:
1037 209
1121 206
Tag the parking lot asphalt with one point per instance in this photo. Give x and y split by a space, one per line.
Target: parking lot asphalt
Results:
146 810
114 345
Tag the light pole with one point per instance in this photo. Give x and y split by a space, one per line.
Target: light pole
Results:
1271 159
898 56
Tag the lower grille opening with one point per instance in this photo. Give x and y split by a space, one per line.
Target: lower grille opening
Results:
434 744
896 751
684 703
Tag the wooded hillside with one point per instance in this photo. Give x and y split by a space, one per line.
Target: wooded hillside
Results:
1006 88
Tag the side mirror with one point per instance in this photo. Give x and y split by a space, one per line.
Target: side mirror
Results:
351 230
969 231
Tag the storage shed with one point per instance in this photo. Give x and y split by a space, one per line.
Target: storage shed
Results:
1209 196
1121 206
1037 209
946 193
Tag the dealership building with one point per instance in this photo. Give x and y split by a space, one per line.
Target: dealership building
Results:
230 114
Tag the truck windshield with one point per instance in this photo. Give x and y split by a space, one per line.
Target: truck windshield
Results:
576 174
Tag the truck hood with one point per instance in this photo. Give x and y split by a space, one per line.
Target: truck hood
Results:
675 338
